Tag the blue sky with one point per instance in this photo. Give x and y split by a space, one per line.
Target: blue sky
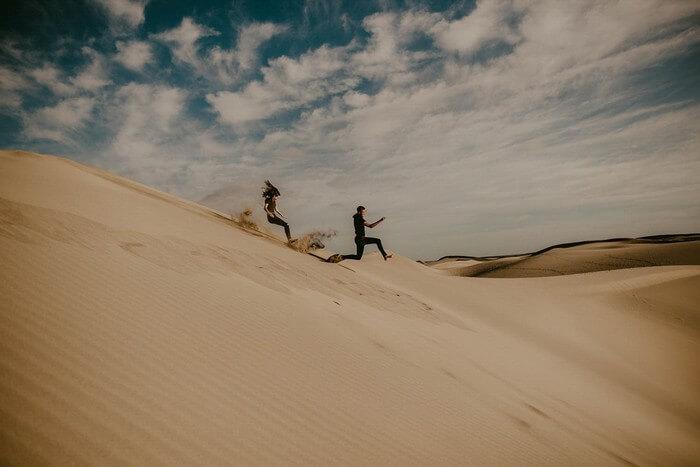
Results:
474 127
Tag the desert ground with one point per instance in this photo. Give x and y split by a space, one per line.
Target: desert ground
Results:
580 257
137 328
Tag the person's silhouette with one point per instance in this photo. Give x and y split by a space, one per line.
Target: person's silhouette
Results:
270 194
360 239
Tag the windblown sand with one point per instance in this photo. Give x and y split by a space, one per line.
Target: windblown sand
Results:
137 328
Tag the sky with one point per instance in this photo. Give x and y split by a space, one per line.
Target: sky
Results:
475 128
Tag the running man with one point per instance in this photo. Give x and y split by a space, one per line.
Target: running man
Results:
360 239
270 194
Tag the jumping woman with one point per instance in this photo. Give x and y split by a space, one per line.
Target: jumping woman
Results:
270 194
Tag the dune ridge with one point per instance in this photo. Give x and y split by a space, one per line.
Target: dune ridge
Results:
138 328
580 257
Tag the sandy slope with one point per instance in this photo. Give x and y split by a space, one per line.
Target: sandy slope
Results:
590 257
136 328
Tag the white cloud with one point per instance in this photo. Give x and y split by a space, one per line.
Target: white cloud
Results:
134 54
48 75
356 99
254 103
59 122
90 78
126 13
12 84
146 108
94 76
287 84
250 38
386 56
220 65
487 23
149 129
557 36
229 65
183 41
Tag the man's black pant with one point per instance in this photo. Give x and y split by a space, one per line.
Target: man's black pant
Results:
278 221
360 242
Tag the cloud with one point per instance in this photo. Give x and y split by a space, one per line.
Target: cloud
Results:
254 103
90 78
230 65
149 133
124 13
293 83
61 122
556 38
51 77
12 84
134 54
94 76
386 56
146 111
219 64
356 99
183 41
287 84
488 23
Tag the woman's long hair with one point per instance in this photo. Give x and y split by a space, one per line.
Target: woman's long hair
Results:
269 190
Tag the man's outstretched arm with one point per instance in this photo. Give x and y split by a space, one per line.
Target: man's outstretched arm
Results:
374 223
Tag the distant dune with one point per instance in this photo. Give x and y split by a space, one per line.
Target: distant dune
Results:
580 257
137 328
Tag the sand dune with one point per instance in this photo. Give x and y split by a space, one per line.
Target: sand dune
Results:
604 255
137 328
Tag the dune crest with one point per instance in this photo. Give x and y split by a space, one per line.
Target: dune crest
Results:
139 328
581 257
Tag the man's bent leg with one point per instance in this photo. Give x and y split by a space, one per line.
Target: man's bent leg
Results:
377 242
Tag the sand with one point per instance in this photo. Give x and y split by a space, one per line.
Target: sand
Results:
593 256
137 328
